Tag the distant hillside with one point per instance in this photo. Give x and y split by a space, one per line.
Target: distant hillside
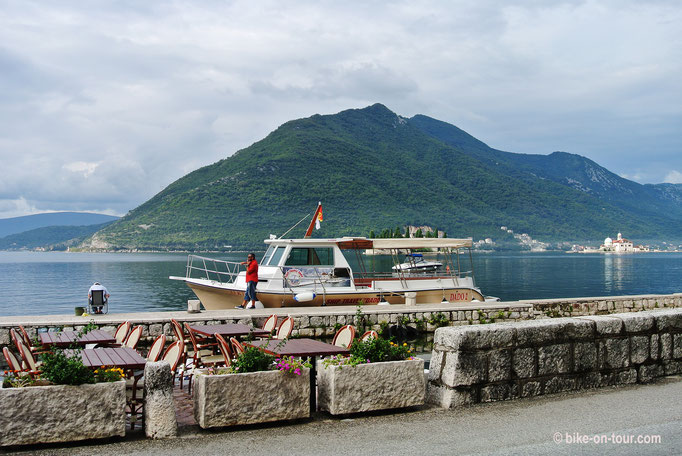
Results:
50 237
30 222
372 168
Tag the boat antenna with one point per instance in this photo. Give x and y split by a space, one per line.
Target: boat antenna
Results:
297 223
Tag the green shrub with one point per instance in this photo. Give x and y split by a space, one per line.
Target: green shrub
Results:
61 369
253 360
378 350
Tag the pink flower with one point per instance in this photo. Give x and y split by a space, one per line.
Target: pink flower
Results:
297 371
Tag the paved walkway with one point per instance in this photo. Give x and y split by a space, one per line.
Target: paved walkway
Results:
521 427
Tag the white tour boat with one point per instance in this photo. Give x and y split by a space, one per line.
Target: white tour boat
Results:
315 272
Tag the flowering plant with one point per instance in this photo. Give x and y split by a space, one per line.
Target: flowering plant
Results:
15 379
371 351
288 364
113 374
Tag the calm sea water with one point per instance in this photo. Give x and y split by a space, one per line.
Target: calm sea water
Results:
33 283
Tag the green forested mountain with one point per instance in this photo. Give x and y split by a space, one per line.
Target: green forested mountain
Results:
49 237
16 225
372 168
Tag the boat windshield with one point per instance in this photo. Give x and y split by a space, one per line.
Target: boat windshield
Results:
314 256
272 256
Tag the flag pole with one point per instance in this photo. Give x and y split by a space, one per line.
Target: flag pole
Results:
312 222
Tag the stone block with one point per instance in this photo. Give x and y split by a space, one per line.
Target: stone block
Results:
445 397
654 346
589 380
605 325
666 341
559 384
499 365
677 346
668 320
436 364
475 337
549 331
626 377
254 397
62 413
372 386
492 393
4 336
554 359
673 367
585 356
464 369
615 353
155 329
523 363
531 389
637 322
646 374
159 408
639 349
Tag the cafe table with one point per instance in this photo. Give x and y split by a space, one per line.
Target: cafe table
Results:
66 338
304 348
229 330
123 357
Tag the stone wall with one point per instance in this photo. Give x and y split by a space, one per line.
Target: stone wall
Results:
324 321
496 362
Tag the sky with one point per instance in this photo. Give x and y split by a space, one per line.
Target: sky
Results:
105 103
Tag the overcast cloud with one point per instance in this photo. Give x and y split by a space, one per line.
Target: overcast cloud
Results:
105 103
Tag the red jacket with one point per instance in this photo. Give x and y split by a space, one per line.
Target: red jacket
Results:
252 272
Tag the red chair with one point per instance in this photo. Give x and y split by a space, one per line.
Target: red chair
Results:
27 356
344 336
224 349
121 333
285 328
134 337
12 361
270 324
237 347
156 350
371 334
28 342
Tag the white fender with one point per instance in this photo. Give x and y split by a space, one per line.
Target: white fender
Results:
305 296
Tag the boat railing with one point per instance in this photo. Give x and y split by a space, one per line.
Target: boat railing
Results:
438 274
221 271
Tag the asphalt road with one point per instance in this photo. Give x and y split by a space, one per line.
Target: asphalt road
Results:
520 427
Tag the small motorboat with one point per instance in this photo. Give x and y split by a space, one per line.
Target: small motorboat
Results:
415 262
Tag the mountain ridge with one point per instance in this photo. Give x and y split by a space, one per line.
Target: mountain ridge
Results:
372 169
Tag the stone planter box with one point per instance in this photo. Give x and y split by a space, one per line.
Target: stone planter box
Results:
253 397
373 386
62 413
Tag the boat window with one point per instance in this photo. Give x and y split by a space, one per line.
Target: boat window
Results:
276 256
268 254
300 256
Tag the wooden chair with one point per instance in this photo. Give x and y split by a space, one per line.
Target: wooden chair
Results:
204 356
270 324
156 350
134 337
28 342
237 347
344 336
173 354
371 334
12 361
121 333
27 356
285 328
224 349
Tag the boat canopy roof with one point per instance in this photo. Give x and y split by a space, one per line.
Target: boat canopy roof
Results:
382 243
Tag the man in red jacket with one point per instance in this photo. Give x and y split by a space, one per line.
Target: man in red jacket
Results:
251 282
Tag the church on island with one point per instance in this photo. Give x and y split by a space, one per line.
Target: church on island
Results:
621 245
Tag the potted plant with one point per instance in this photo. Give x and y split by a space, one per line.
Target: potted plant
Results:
256 388
378 375
66 401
